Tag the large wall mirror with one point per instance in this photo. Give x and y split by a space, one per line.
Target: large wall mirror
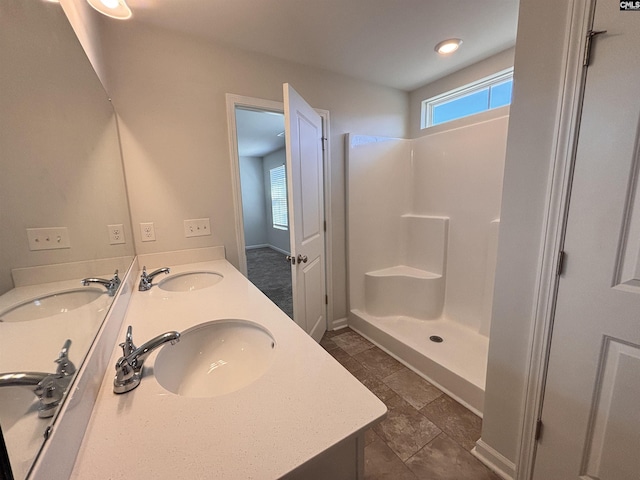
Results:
62 185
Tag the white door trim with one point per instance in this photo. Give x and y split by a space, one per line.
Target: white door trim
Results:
234 101
559 183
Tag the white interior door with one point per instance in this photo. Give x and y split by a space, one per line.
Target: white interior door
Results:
303 127
591 409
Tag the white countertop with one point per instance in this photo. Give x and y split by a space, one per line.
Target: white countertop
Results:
305 403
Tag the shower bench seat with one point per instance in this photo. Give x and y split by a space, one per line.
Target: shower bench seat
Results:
404 290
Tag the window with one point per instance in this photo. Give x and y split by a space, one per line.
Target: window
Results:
279 198
480 96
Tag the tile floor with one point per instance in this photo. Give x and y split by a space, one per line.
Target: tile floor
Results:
426 434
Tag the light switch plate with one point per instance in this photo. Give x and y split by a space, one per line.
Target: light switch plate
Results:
50 238
197 227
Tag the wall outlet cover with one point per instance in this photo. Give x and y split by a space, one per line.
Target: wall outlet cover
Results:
116 234
148 232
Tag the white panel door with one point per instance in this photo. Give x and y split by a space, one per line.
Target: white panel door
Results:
591 409
303 127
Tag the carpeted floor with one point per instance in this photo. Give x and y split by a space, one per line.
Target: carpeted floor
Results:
271 273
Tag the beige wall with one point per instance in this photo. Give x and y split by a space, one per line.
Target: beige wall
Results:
534 110
169 92
472 73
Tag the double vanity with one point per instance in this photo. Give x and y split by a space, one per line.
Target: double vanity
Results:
230 388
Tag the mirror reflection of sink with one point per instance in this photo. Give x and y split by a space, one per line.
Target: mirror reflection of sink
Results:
189 281
51 304
23 430
215 358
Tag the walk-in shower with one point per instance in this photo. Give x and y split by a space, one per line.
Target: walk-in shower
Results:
423 219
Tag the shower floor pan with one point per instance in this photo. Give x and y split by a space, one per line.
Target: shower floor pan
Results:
457 365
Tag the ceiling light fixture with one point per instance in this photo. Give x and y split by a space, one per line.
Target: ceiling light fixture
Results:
448 46
112 8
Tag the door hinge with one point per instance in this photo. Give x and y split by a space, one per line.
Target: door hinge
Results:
322 140
589 44
326 299
561 261
325 225
538 432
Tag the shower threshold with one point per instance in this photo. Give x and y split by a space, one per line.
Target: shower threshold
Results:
457 365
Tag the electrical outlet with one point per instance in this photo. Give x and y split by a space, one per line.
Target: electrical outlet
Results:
197 227
48 238
116 234
148 232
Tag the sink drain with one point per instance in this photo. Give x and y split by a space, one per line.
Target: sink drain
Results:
436 339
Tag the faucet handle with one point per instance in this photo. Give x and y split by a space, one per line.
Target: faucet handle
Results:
65 366
128 345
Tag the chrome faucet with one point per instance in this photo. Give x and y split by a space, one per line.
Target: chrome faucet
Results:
129 366
48 387
146 279
111 285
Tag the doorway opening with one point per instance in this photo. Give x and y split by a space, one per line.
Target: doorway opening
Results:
263 185
264 262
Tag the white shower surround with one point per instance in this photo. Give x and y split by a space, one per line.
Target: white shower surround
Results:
427 210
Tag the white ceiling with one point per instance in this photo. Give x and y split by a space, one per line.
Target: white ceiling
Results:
383 41
258 132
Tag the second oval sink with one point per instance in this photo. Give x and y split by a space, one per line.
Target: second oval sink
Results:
189 281
215 358
51 304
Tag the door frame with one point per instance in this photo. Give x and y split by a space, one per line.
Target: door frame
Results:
234 101
565 138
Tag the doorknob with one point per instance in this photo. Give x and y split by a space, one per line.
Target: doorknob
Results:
291 259
302 258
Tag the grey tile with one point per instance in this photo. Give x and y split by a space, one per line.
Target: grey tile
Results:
405 430
369 380
333 333
352 343
459 423
351 364
339 354
444 459
328 344
380 463
383 392
412 387
370 436
378 362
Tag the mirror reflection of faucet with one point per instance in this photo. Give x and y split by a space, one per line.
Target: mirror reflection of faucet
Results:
146 279
111 285
48 387
129 366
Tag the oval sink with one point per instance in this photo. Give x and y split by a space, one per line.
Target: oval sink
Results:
51 304
189 281
215 358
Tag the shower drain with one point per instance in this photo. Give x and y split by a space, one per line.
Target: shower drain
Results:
436 338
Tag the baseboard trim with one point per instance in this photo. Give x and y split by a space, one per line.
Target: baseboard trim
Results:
493 459
253 247
279 250
267 245
338 324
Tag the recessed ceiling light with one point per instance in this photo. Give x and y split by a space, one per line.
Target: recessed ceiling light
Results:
448 46
112 8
